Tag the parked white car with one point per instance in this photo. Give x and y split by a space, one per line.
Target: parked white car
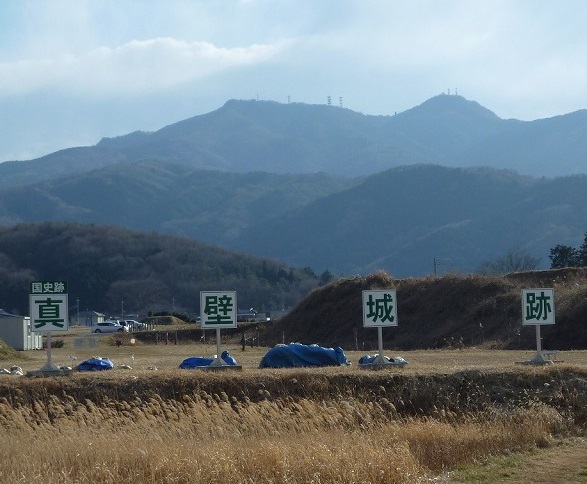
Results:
133 325
109 327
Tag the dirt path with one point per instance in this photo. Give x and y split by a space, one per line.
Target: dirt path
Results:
565 463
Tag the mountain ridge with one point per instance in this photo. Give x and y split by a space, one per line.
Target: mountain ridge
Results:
276 180
462 216
399 220
250 135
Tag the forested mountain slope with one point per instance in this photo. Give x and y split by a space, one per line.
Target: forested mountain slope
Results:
105 266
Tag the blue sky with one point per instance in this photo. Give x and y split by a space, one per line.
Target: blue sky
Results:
74 71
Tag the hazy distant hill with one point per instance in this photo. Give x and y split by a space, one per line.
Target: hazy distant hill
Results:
245 136
282 181
402 219
163 196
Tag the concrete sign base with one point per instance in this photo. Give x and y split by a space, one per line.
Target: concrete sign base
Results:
380 362
213 367
57 371
539 359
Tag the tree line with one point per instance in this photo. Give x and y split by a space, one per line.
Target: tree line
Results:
111 269
567 256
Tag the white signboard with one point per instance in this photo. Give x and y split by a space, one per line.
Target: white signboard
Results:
379 308
537 306
218 309
48 306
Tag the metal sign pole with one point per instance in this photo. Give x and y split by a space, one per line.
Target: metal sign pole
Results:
538 340
49 366
539 358
218 360
49 348
380 358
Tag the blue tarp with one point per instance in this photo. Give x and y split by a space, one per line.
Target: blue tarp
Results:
195 361
95 364
299 355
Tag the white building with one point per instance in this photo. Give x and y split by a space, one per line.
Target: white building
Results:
85 318
16 331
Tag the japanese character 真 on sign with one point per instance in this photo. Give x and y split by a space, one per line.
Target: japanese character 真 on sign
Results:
49 306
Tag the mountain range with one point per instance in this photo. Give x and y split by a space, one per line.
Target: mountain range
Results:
447 182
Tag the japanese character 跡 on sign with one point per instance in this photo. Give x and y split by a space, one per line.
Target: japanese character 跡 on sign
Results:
537 306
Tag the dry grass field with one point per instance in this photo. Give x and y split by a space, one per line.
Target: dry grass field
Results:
167 355
449 416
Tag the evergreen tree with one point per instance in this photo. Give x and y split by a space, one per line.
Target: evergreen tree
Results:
564 256
582 253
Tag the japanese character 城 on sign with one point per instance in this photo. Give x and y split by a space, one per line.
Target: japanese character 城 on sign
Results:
379 308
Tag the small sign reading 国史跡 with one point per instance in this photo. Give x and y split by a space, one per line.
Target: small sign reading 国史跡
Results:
48 306
218 309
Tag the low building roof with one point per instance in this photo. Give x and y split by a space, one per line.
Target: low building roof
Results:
4 314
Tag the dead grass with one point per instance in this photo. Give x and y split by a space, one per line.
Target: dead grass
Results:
454 310
8 353
81 344
203 437
446 409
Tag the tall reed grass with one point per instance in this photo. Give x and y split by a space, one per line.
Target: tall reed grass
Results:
213 437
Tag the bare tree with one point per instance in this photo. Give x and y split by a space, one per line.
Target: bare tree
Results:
515 260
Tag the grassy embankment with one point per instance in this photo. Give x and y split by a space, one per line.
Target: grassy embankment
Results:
327 425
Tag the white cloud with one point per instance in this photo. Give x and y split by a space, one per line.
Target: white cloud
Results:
81 63
133 68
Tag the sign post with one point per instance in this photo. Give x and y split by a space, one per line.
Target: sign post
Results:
218 310
49 312
538 309
379 311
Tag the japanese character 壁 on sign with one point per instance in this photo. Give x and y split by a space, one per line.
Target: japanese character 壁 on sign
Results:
218 309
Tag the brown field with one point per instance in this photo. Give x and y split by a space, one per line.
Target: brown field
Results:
465 415
81 344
